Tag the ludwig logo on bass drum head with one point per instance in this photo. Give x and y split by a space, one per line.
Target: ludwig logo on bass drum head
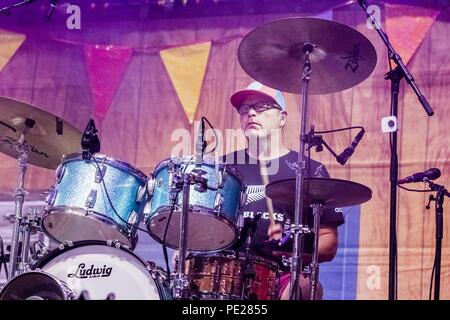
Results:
91 272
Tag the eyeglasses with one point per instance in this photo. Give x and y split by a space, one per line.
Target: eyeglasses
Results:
258 107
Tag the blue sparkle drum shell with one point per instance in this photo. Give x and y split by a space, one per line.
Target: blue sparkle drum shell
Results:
100 198
213 214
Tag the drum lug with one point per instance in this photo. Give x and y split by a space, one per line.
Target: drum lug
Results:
150 185
147 210
115 243
66 243
60 173
100 172
243 199
220 178
132 219
218 202
91 199
51 197
140 194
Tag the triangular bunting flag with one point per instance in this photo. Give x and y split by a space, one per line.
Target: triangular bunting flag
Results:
407 26
186 67
105 66
9 43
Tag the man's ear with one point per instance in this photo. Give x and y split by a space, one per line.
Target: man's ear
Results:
283 116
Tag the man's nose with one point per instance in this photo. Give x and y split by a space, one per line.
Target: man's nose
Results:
251 113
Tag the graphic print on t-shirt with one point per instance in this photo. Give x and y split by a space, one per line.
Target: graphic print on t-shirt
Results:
255 193
256 208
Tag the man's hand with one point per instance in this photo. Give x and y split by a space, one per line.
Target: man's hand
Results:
275 231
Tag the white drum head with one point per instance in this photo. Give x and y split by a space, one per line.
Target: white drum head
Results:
102 270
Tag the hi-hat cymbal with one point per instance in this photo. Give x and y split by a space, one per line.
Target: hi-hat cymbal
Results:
273 55
330 193
49 139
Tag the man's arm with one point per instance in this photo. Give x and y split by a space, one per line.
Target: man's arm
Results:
328 243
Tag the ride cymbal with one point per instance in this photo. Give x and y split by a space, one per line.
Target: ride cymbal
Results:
273 55
329 192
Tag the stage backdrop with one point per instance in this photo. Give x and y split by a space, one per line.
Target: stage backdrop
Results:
143 79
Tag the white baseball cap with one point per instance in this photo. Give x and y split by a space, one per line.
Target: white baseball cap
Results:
257 88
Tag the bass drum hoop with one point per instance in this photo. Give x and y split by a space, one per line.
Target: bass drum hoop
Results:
110 243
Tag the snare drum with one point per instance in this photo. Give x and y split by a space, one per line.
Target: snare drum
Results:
213 213
100 198
220 276
99 268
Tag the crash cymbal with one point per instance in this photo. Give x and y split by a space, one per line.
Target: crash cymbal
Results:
49 139
329 192
273 55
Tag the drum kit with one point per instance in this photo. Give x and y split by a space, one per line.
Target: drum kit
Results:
97 203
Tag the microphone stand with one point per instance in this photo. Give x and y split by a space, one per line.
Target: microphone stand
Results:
248 271
395 75
181 182
439 206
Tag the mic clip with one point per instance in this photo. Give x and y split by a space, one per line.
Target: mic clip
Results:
430 199
317 141
90 142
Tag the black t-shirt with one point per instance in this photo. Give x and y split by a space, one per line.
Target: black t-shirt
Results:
256 205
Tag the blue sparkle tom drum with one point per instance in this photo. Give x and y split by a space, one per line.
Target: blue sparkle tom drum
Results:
99 198
213 211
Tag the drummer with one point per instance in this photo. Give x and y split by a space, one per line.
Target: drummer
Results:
263 117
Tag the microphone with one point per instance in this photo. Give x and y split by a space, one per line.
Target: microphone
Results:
200 144
50 11
346 154
90 142
362 3
430 174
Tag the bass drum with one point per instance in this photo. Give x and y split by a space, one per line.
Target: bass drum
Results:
103 269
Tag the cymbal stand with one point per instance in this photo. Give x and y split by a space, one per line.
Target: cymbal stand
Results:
298 229
19 198
248 271
30 224
182 181
317 212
